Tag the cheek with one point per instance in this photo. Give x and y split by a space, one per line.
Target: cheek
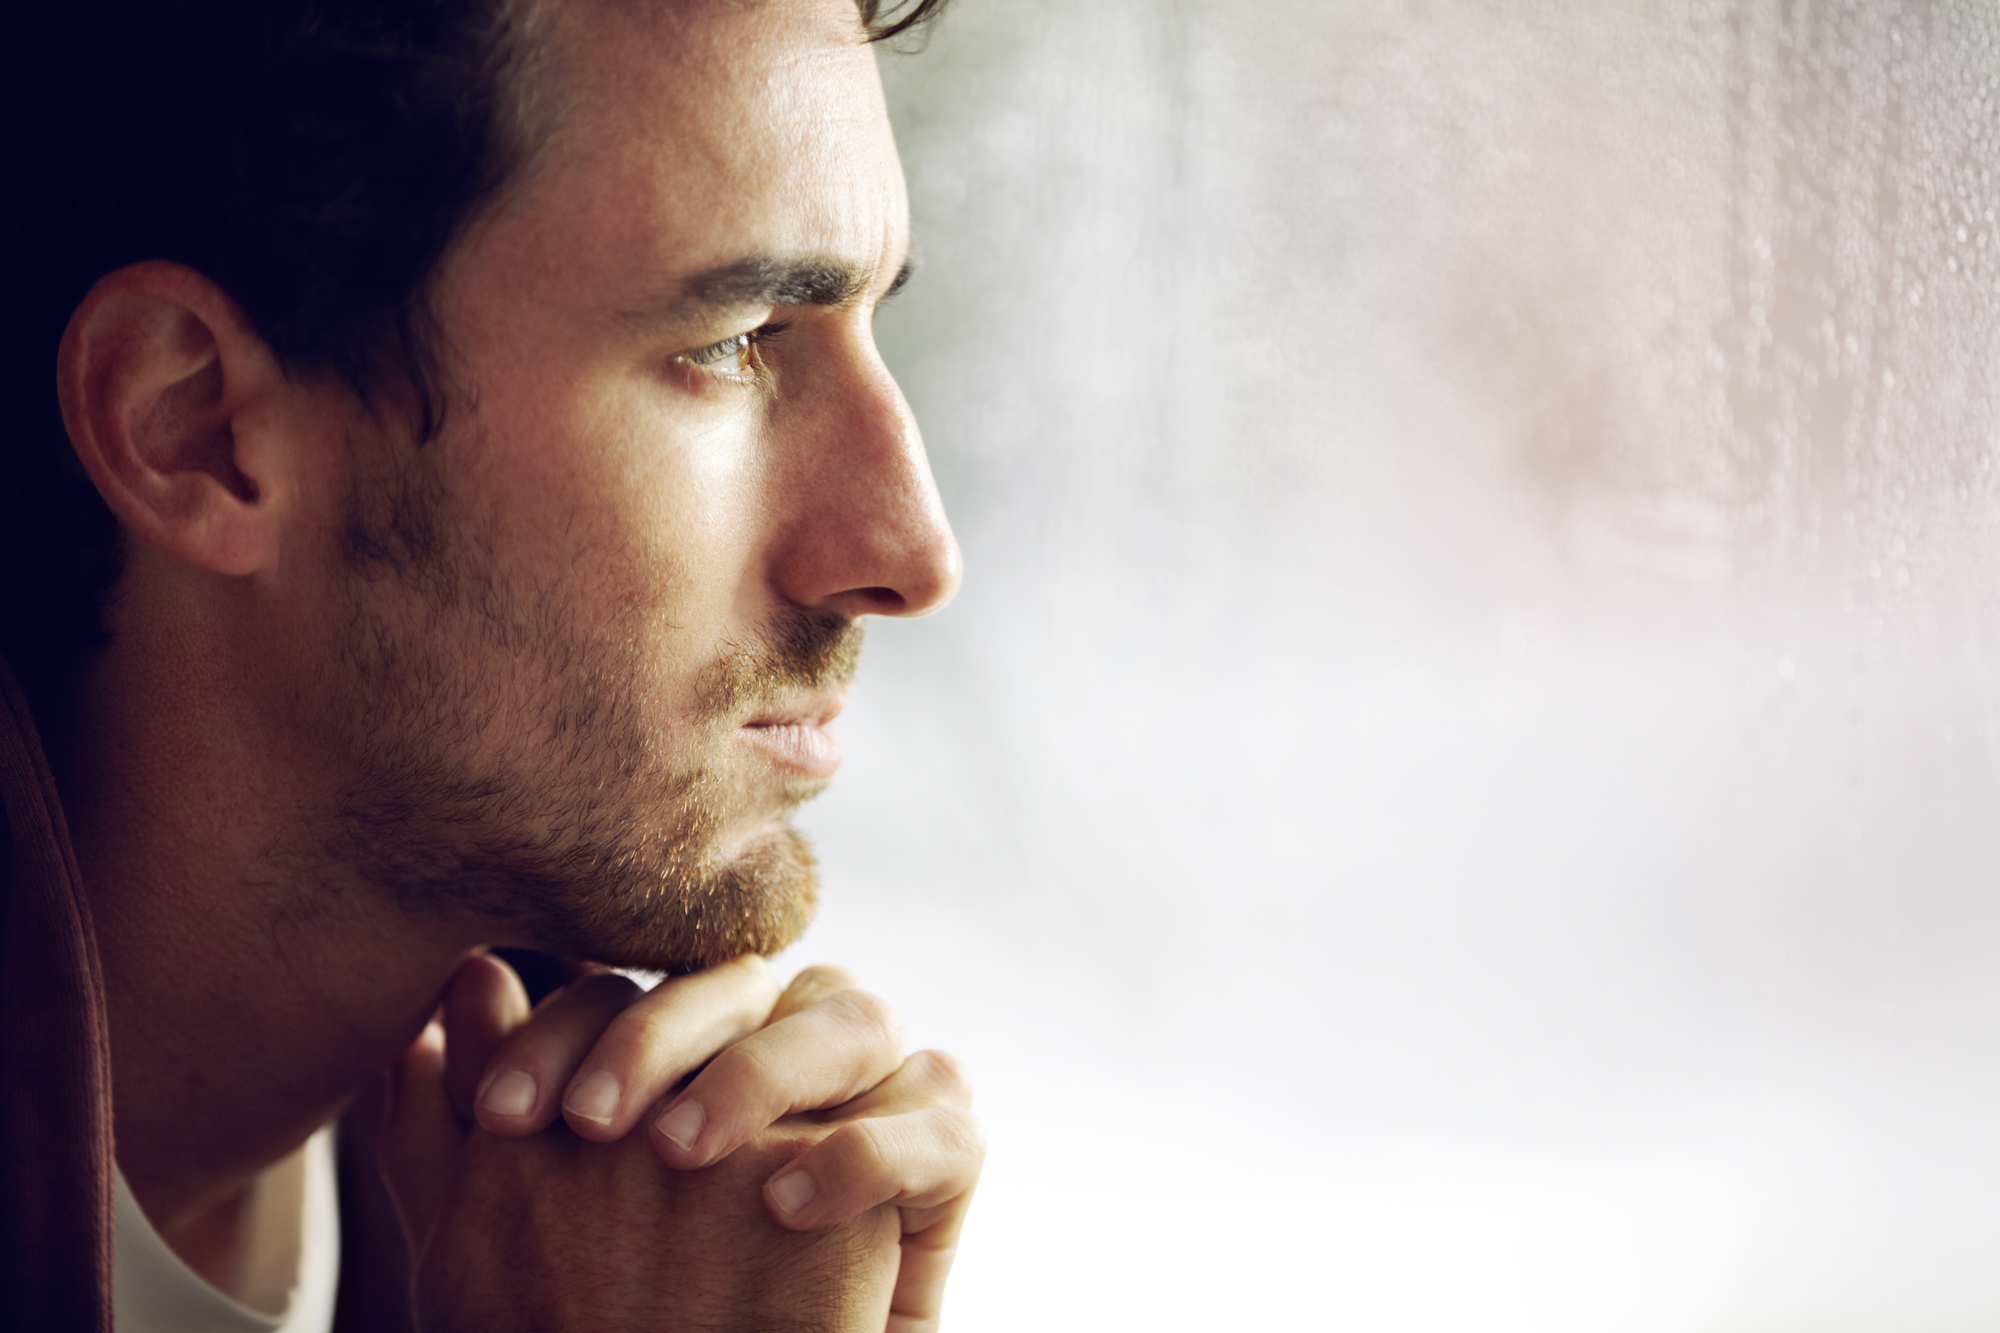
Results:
655 523
686 500
605 476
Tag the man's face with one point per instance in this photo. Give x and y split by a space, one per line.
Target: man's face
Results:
594 632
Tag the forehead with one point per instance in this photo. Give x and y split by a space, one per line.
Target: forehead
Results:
686 135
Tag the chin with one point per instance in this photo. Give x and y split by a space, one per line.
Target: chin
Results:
756 899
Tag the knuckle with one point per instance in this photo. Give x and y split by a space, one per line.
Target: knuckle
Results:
748 1071
825 976
636 1031
865 1156
741 1063
869 1013
960 1132
605 991
942 1071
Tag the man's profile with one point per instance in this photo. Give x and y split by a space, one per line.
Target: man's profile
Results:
466 467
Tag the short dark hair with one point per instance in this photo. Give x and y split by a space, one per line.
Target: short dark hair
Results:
313 158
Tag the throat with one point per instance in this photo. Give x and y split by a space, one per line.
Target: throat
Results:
248 1245
209 1240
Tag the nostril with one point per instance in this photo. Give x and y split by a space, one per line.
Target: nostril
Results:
882 601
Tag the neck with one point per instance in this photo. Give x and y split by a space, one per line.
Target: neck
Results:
252 986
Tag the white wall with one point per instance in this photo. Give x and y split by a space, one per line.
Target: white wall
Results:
1460 791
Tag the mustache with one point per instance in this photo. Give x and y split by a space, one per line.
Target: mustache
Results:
800 652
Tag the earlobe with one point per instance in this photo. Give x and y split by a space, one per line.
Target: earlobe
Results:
165 391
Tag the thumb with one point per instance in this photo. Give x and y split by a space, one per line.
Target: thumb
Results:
421 1138
483 1002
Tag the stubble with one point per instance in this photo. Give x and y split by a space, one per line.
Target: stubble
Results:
511 760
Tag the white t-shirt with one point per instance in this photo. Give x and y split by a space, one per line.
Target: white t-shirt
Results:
291 1267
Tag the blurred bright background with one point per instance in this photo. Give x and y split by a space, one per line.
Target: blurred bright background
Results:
1460 792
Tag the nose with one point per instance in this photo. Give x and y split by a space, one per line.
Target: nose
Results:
865 530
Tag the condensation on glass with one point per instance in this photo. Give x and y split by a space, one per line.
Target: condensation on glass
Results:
1460 791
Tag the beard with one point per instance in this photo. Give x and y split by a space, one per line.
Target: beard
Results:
514 764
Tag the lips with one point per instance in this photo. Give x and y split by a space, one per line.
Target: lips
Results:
800 738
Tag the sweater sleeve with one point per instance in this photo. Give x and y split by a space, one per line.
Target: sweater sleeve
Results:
55 1056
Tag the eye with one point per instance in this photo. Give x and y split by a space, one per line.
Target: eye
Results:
735 357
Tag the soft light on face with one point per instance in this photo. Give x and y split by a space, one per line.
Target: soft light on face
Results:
598 629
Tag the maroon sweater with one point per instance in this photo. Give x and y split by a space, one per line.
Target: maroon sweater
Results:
55 1056
55 1087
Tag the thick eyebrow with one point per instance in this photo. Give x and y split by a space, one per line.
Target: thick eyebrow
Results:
764 280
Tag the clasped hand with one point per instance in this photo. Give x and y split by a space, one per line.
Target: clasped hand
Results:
809 1176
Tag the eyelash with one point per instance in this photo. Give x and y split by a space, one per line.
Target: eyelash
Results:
742 346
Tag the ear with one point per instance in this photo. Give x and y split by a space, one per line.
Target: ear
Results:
177 409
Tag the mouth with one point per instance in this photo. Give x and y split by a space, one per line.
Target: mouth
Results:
800 737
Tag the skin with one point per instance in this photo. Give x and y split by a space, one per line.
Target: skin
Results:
656 509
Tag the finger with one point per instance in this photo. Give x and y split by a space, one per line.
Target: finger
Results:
928 1078
420 1136
483 1002
920 1160
543 974
522 1086
822 1056
809 987
917 1303
660 1039
927 1161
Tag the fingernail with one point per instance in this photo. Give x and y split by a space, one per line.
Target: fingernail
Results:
683 1125
793 1192
595 1099
511 1093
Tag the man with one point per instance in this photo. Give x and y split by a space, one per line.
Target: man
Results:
497 465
